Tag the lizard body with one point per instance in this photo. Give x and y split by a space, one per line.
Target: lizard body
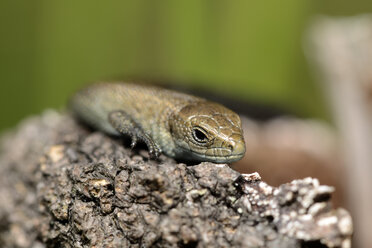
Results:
179 125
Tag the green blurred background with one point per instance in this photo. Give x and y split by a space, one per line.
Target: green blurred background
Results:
249 50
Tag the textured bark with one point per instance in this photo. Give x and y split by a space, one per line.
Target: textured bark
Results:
62 185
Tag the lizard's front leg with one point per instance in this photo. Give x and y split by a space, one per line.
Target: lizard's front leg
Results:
124 124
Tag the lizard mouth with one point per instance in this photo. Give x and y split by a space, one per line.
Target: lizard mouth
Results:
219 159
222 159
234 152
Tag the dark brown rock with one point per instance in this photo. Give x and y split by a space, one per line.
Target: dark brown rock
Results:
64 186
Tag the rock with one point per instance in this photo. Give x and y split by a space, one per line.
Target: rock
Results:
62 185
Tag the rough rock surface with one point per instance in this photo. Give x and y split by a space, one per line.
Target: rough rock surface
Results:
62 185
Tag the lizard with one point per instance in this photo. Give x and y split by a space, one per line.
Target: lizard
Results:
179 125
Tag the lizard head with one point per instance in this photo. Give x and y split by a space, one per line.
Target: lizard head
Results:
206 131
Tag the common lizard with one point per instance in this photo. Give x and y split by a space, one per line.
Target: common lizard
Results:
181 126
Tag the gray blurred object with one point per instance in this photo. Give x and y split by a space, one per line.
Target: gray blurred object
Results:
342 49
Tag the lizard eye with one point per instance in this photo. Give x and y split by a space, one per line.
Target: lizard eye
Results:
199 135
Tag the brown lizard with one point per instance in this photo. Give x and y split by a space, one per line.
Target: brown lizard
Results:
181 126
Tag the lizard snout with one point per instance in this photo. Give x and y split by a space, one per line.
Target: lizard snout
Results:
237 147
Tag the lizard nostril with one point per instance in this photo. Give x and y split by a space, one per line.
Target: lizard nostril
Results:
230 146
238 148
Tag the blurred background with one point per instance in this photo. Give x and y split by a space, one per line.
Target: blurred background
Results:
253 52
246 49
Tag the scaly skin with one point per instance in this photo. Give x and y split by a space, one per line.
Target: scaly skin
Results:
179 125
